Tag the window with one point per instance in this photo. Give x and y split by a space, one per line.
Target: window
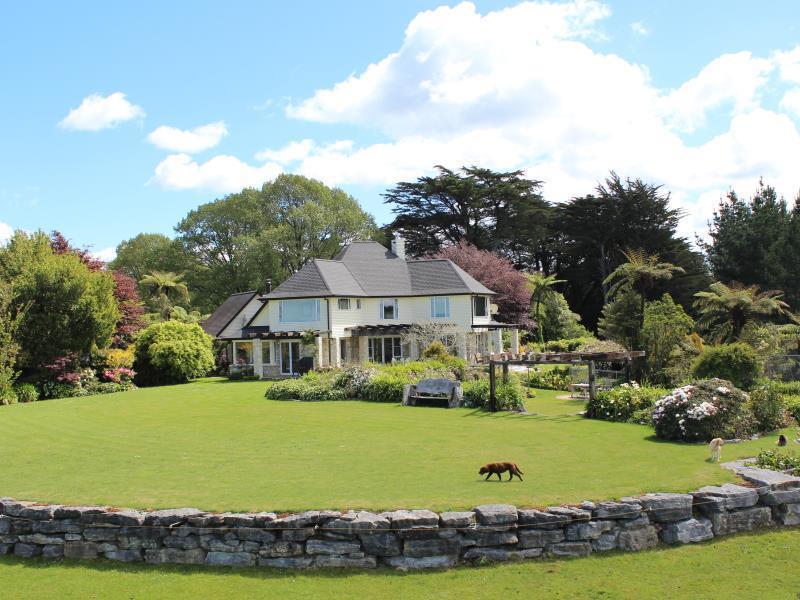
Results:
388 309
440 307
298 311
344 303
358 304
481 306
385 349
266 352
243 353
343 350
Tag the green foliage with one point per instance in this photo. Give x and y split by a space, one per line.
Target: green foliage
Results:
555 320
436 351
565 344
628 402
286 389
510 396
385 388
26 392
9 349
321 393
768 407
557 378
737 363
621 319
666 327
146 253
725 310
67 307
353 380
777 461
172 352
792 403
702 411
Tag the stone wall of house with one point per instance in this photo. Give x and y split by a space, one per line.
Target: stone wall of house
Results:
403 539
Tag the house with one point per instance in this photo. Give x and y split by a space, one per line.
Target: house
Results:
354 309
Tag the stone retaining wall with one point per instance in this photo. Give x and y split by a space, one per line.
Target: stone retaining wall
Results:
404 539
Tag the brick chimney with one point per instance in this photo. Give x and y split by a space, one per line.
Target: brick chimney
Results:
399 246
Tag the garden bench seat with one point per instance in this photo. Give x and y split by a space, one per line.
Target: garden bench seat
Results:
434 392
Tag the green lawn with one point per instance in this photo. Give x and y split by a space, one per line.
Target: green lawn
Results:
746 566
221 446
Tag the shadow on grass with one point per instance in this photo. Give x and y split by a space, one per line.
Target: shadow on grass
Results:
267 573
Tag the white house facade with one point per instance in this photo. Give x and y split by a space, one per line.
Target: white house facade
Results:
355 309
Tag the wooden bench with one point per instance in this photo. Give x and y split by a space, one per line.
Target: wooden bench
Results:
434 392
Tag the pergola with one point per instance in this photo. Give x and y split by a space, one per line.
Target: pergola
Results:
555 358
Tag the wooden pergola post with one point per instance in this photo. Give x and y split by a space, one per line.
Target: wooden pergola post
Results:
592 381
492 388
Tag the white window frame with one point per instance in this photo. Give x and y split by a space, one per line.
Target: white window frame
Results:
436 313
344 301
269 346
397 344
395 309
252 352
316 310
485 305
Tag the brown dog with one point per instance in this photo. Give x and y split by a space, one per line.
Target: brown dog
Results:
501 467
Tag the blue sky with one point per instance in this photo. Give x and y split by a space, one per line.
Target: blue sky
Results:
697 96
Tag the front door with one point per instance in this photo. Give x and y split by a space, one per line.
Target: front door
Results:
290 354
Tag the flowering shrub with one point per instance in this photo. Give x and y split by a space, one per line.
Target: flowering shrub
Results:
703 410
353 380
119 375
628 402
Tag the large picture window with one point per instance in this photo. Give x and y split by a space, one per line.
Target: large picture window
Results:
440 307
299 311
481 306
385 349
266 352
243 353
389 308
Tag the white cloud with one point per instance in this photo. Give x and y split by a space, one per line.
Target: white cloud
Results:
791 102
98 112
6 231
106 254
789 64
731 78
188 141
519 88
640 28
221 173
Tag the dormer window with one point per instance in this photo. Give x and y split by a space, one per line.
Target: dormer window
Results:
388 308
440 307
480 306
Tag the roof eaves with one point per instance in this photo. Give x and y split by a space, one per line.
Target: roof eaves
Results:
236 314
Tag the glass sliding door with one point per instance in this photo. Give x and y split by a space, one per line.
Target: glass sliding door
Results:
290 355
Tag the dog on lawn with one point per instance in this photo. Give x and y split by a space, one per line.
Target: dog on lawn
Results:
781 440
501 467
716 448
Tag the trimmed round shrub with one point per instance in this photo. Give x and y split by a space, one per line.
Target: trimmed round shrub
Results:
172 352
702 411
321 393
768 407
629 402
287 389
737 363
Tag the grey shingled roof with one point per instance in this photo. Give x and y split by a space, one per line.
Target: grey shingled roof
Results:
222 317
367 269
